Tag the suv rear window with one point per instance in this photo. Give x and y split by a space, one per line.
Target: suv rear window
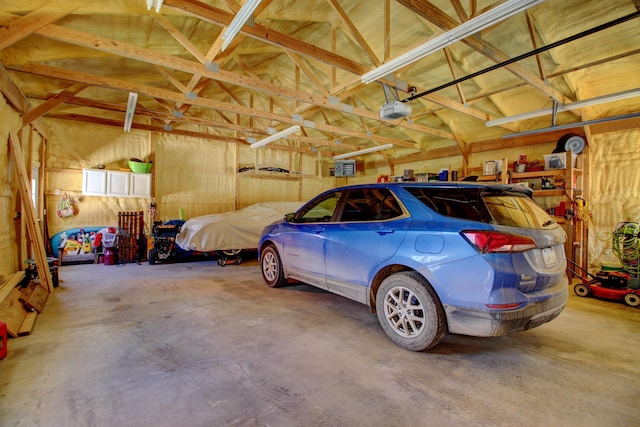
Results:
490 205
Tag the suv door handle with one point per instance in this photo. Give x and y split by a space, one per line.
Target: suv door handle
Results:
385 230
319 230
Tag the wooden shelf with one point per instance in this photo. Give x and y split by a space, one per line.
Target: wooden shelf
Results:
540 174
488 178
554 192
63 170
492 178
267 175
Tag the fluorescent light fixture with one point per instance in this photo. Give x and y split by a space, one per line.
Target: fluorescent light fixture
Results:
363 151
472 26
567 107
275 136
158 4
241 17
131 108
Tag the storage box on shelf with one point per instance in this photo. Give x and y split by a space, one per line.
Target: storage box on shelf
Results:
501 174
552 182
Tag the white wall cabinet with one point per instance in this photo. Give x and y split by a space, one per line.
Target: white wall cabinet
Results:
140 185
94 182
97 182
118 183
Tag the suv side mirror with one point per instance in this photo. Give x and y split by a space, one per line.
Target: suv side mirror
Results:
289 217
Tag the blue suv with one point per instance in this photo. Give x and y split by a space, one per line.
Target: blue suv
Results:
428 258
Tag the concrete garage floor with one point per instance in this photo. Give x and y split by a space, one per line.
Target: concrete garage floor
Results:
196 344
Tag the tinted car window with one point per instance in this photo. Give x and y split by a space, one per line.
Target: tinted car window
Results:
517 211
320 210
370 204
490 205
454 202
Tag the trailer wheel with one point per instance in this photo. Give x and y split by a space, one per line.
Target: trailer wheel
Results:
632 299
582 290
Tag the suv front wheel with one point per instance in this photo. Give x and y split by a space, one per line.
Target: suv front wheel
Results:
410 312
271 267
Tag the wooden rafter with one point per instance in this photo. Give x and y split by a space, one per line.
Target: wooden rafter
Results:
534 43
447 54
233 96
266 35
154 92
146 112
272 99
201 135
181 38
307 72
175 82
433 14
51 103
348 23
462 14
133 52
23 27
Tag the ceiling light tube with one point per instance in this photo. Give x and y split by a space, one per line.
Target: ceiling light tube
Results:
131 109
275 136
158 4
241 17
567 107
472 26
363 151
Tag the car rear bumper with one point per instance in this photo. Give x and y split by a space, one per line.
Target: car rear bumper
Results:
546 306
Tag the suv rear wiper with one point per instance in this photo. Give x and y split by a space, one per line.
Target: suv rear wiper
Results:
548 223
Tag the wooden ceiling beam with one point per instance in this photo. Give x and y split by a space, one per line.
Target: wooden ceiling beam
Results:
307 72
272 99
154 92
18 101
462 14
534 43
182 132
184 41
133 52
175 82
362 42
51 103
24 26
433 14
144 111
447 54
266 35
238 101
11 92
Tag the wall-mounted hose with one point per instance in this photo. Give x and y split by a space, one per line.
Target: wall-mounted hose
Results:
625 244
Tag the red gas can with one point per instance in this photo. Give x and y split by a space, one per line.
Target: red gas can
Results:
3 340
110 256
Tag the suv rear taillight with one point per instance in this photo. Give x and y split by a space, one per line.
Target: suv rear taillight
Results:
494 241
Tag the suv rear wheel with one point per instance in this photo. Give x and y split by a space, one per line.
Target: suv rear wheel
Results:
410 312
